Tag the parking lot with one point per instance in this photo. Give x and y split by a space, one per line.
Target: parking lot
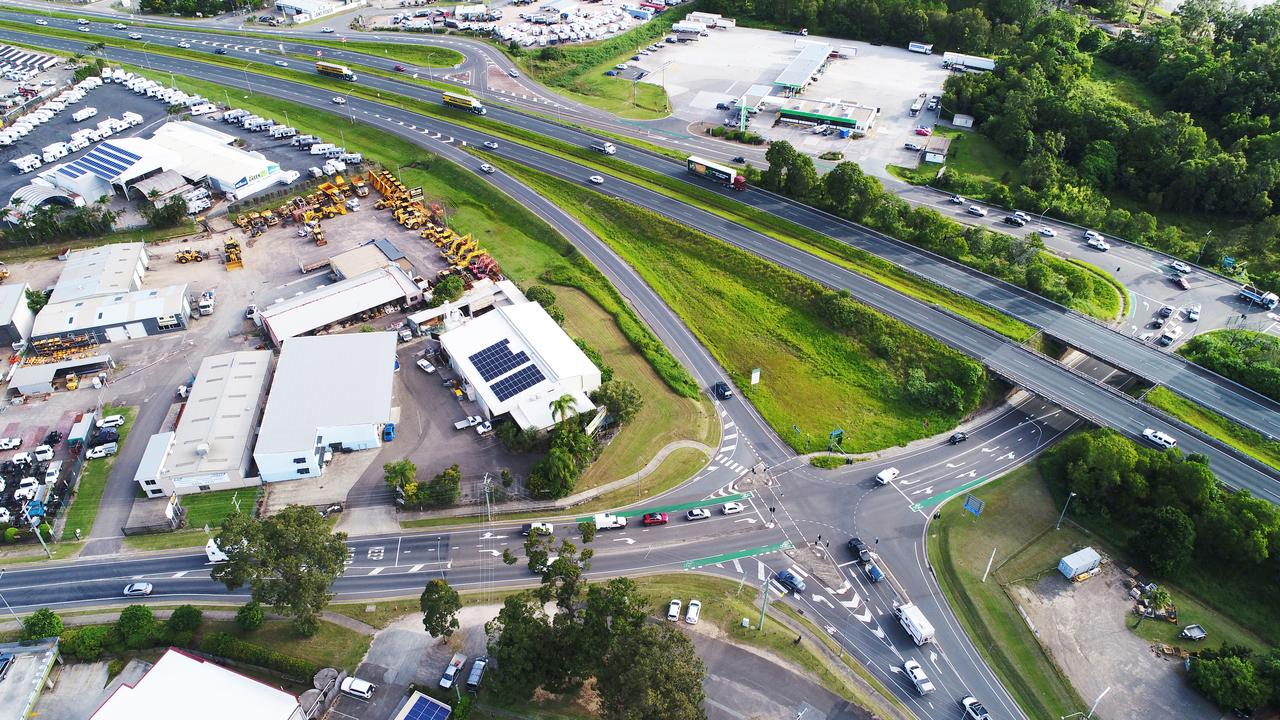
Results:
31 665
722 66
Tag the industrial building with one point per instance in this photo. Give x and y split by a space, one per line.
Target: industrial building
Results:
372 255
804 68
484 294
16 318
936 149
299 11
206 155
212 446
331 305
837 113
34 379
197 689
329 392
111 166
104 270
516 360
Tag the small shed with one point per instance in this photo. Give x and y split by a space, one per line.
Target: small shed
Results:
936 149
1080 561
960 120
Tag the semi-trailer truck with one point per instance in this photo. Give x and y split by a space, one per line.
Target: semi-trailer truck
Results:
602 146
465 102
722 174
968 62
918 105
335 70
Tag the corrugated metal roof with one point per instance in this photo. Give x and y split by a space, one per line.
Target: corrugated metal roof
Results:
318 308
803 67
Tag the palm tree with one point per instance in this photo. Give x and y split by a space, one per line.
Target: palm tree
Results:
563 407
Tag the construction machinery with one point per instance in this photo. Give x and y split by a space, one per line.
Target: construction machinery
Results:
73 381
464 261
460 245
359 186
57 349
4 272
485 266
187 255
233 257
270 218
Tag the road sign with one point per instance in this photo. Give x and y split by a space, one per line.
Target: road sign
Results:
755 376
974 505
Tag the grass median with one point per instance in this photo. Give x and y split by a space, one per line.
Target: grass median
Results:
83 511
1241 438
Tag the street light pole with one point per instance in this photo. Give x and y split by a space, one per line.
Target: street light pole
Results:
6 603
1064 510
1095 702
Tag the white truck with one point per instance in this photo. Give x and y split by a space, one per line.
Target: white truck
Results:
960 61
602 146
918 677
915 623
452 670
1257 295
609 521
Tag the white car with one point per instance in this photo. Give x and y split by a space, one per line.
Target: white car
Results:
1098 243
697 514
596 180
973 710
110 421
4 515
1092 234
135 36
620 66
120 26
887 476
339 100
1046 231
976 211
694 612
484 427
282 63
426 366
10 443
491 144
138 589
355 687
22 458
48 82
487 169
673 610
184 44
916 674
1022 216
85 28
513 73
102 451
539 528
731 508
1180 266
43 453
1193 313
42 21
326 30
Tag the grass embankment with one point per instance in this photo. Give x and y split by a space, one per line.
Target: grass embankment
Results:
752 314
421 55
93 481
203 510
43 251
1243 439
1107 298
332 646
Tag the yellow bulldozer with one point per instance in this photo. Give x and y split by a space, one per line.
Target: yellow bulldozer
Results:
4 272
187 255
234 257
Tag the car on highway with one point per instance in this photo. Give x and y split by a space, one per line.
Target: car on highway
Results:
42 21
1181 282
654 519
886 476
916 675
1166 311
120 26
426 365
355 687
673 610
973 710
1098 243
731 508
85 28
922 130
1180 266
326 30
740 160
138 589
281 63
10 443
596 180
220 51
513 73
957 438
1013 220
1159 439
956 200
338 100
694 612
1022 216
873 571
790 581
539 528
487 169
135 36
1193 313
976 211
400 68
1092 235
1046 231
184 44
697 514
491 144
722 390
859 549
914 147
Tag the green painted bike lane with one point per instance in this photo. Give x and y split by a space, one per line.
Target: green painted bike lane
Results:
726 557
676 508
929 502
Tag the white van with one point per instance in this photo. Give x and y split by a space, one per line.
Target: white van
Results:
887 476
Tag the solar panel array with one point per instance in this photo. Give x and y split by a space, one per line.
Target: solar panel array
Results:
107 161
497 360
425 708
518 381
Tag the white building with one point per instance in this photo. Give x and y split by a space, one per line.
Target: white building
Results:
104 270
330 305
212 446
484 294
16 318
182 685
516 360
304 10
112 165
332 391
116 318
205 154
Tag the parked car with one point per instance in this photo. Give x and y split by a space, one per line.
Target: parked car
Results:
6 662
1166 311
251 310
654 519
722 390
356 687
1193 313
860 549
790 581
102 451
731 508
912 147
138 589
694 612
110 421
42 453
957 438
388 432
697 514
673 610
922 130
104 436
10 443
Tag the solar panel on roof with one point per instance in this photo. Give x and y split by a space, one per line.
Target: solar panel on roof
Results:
497 360
425 708
518 381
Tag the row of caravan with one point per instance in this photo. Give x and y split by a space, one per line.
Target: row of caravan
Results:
80 140
48 111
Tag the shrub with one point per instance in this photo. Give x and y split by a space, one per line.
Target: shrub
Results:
185 619
250 616
12 534
86 643
232 648
41 624
136 627
828 462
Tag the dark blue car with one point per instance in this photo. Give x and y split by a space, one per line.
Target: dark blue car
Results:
388 432
790 581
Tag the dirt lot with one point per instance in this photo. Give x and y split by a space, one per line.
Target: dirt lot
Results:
1086 628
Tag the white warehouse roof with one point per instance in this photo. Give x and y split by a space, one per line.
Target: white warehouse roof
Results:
104 270
327 381
109 310
208 153
195 689
327 305
118 161
518 360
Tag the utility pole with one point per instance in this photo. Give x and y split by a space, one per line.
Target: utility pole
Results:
1064 510
764 604
487 570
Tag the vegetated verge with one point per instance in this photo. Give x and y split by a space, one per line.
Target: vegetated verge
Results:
1241 438
1245 356
827 362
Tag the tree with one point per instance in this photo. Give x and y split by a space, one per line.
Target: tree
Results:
184 619
289 561
563 407
1228 682
621 398
541 294
588 530
1164 539
36 300
440 604
445 488
518 645
136 627
447 289
554 476
41 624
250 616
780 156
652 672
508 557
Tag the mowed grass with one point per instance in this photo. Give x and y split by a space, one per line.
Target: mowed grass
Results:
1018 510
203 510
977 155
423 55
332 646
1243 439
93 482
811 377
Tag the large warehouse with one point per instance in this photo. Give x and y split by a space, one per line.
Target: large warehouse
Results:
333 392
212 446
205 154
516 360
333 304
111 166
16 318
104 270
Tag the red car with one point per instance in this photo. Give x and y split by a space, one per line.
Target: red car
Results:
400 68
654 519
922 130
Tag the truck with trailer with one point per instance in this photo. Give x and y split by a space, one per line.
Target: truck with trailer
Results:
1255 294
452 670
342 72
602 146
915 623
961 61
918 105
716 172
465 102
686 26
609 521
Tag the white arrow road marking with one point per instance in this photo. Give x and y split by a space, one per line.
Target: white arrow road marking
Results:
746 520
864 616
415 568
878 633
823 599
627 540
799 572
895 668
954 465
1006 456
375 571
180 574
494 553
925 490
491 536
853 602
737 566
987 450
971 473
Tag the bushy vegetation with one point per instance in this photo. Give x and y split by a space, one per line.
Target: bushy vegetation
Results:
54 222
850 193
1250 358
231 647
206 8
